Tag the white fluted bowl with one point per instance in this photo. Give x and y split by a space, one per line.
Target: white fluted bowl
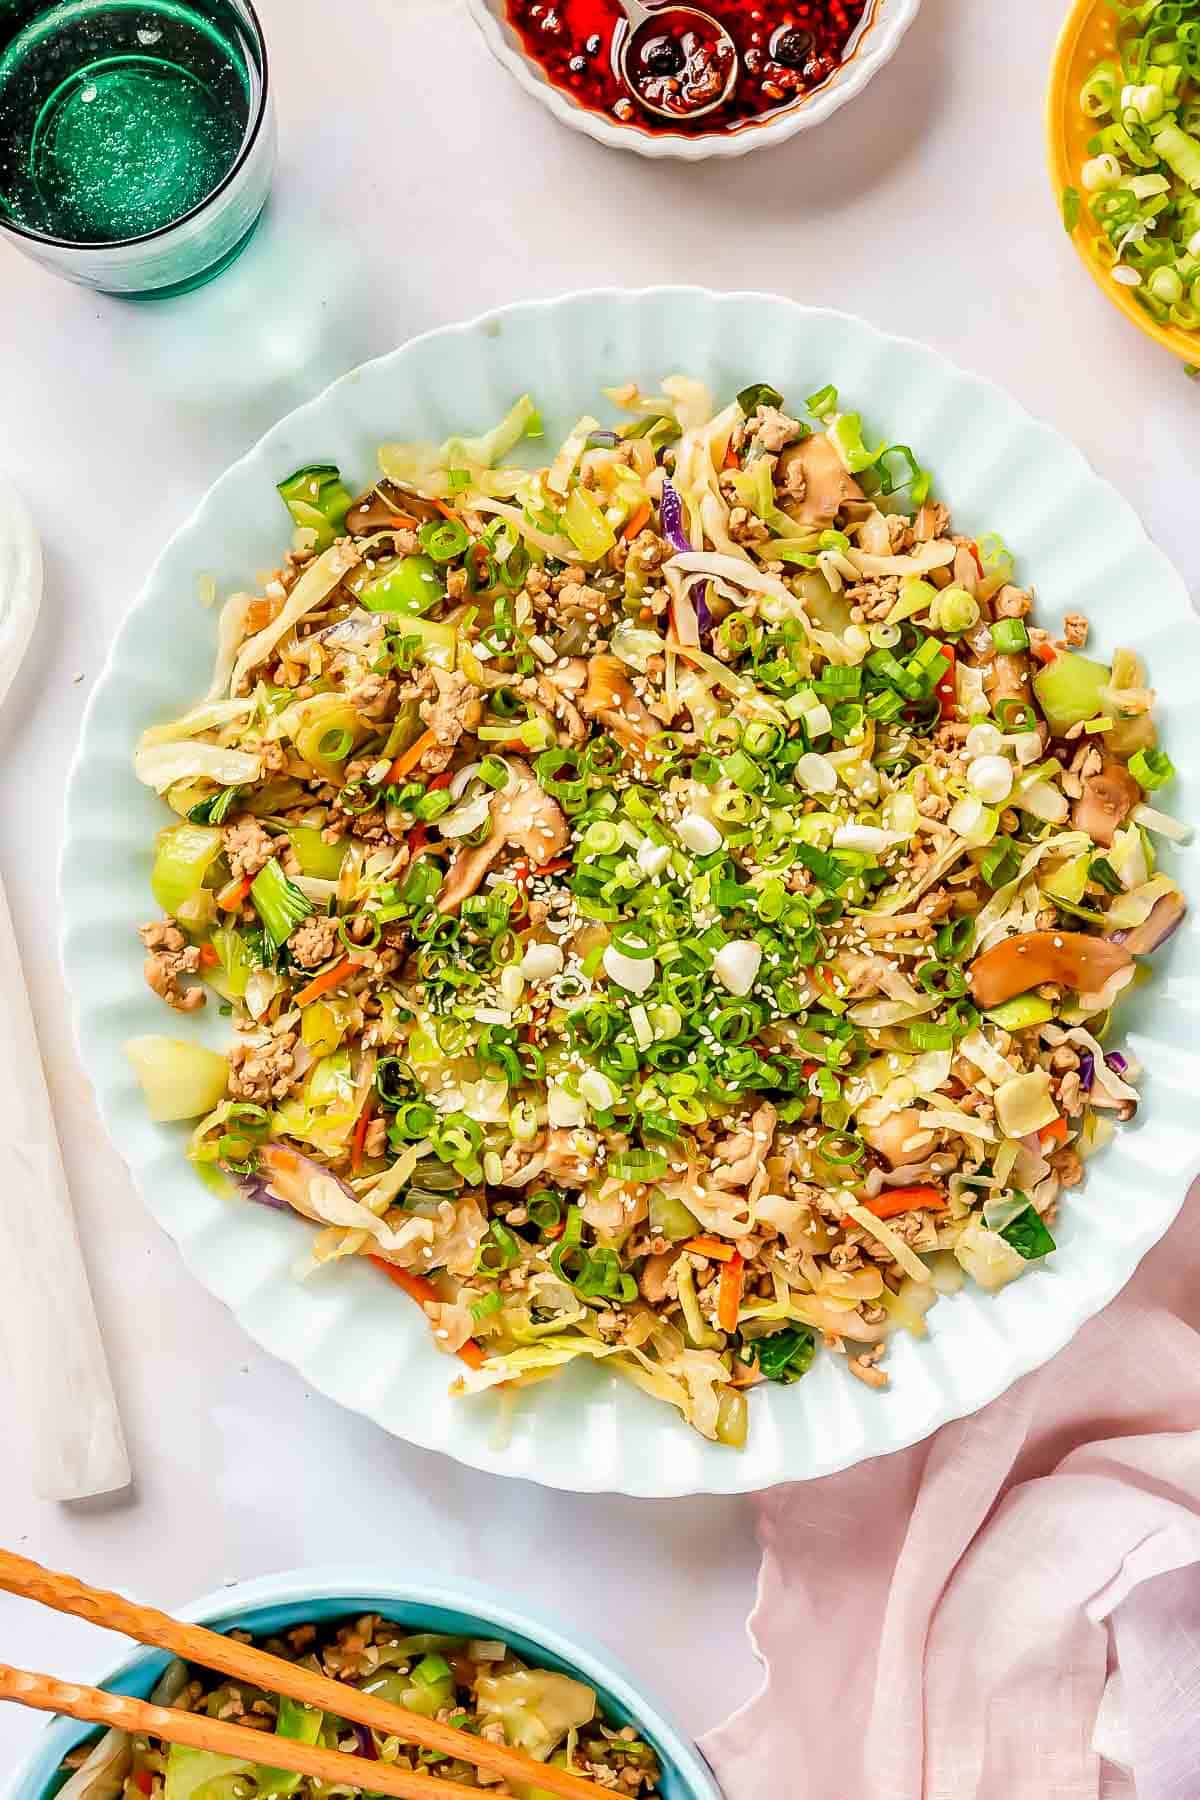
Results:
348 1330
878 44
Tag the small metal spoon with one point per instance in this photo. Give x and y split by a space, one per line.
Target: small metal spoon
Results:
659 18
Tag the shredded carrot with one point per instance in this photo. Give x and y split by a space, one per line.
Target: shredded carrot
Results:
448 512
420 1289
635 523
553 868
712 1248
259 614
974 549
1045 652
731 458
1054 1133
729 1293
901 1200
208 957
408 759
358 1141
233 893
403 519
330 979
947 688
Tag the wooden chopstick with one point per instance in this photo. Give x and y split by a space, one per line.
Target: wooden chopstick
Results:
195 1644
200 1732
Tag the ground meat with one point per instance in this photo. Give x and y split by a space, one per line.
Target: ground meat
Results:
900 533
744 528
772 430
1068 1166
263 1073
791 481
1075 630
274 759
314 942
373 697
248 848
169 955
448 711
575 600
1011 603
648 551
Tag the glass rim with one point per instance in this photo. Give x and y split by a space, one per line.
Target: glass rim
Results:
50 241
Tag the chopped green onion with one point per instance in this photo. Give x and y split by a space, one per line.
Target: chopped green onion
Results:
444 540
1010 636
1150 769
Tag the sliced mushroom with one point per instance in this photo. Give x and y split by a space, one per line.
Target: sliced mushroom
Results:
1007 678
380 507
1106 802
609 697
522 814
1166 916
827 483
1069 959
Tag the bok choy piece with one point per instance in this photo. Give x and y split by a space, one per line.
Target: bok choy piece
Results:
279 903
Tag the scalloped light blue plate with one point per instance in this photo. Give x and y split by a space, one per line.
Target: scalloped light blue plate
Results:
348 1330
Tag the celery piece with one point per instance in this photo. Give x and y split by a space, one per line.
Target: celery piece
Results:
179 1080
318 860
189 1771
426 1698
1069 689
733 1419
1021 1010
437 643
279 903
671 1218
587 527
302 1724
183 856
412 586
916 596
317 500
235 963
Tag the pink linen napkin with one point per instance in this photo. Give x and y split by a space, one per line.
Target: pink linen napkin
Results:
935 1625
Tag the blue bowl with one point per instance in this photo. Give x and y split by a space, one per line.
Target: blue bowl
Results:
275 1602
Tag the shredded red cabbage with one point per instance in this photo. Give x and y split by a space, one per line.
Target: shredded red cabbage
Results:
366 1743
1116 1061
1087 1071
671 512
703 616
254 1188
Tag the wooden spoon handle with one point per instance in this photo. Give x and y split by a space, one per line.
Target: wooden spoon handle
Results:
200 1732
196 1644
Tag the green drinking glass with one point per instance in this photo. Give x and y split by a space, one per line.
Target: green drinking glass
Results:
137 138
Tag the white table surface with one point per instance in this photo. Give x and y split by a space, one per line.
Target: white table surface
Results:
925 207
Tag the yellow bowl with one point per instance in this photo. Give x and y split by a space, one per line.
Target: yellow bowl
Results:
1089 34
